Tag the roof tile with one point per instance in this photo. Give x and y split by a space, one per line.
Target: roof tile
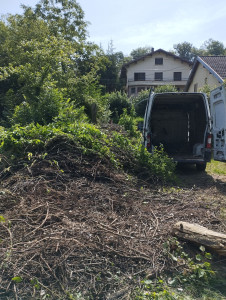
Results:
217 63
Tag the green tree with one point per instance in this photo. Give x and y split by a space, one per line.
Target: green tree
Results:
37 61
110 79
185 50
65 18
213 47
141 51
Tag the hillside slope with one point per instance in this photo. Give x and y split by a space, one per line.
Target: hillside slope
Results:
74 226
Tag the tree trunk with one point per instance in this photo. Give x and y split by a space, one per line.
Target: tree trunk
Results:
195 233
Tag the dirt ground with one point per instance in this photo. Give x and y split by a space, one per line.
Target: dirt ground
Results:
73 225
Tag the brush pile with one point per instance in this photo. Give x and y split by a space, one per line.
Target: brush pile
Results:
71 225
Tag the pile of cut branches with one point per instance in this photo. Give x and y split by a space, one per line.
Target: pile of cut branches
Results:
73 226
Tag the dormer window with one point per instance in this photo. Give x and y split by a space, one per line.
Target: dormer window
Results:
159 61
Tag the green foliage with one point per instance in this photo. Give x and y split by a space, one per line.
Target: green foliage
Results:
141 51
69 114
140 102
65 18
24 143
17 279
129 122
154 290
206 89
17 141
184 50
109 76
44 61
214 47
216 167
2 219
158 163
117 102
165 89
210 47
42 111
191 276
197 271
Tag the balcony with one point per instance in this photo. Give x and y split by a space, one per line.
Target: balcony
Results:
152 81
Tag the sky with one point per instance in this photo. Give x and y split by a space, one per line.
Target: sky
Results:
130 24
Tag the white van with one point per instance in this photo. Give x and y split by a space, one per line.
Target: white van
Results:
186 127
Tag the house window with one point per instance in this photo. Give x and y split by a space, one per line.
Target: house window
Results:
159 61
158 76
133 90
177 76
139 76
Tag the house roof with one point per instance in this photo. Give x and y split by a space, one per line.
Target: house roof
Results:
154 52
216 65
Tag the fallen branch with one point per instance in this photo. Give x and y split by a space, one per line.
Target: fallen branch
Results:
195 233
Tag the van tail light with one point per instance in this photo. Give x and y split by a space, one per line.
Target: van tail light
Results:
209 141
148 141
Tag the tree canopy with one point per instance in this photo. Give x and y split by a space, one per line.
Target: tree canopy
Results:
140 51
44 59
210 47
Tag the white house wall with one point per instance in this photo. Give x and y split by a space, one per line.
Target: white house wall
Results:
148 66
201 78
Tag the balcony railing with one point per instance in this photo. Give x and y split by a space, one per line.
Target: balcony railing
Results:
149 79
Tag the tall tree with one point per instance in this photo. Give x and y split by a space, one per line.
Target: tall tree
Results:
110 75
213 47
141 51
64 17
185 50
41 62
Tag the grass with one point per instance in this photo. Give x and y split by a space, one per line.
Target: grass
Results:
216 167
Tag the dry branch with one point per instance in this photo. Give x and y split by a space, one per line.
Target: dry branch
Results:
195 233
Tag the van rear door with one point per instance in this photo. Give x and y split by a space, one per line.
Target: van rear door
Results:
218 113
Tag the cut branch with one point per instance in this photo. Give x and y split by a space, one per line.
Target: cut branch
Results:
197 234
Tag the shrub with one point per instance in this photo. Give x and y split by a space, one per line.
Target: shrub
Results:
140 102
117 103
165 89
129 122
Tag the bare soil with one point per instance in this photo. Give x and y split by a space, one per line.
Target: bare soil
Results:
75 225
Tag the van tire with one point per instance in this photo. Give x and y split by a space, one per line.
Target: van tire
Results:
201 167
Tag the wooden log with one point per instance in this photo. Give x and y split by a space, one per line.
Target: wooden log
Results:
197 234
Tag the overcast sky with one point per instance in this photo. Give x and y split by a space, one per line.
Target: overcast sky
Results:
138 23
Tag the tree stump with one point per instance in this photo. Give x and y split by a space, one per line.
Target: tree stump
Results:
197 234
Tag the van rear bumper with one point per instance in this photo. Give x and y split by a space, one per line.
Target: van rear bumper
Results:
188 159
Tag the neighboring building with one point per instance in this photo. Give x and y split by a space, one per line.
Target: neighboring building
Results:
154 69
207 70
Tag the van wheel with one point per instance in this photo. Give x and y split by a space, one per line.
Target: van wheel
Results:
201 167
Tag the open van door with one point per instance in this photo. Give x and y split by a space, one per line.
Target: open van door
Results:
218 113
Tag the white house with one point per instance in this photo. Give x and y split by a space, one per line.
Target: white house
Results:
156 68
207 70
